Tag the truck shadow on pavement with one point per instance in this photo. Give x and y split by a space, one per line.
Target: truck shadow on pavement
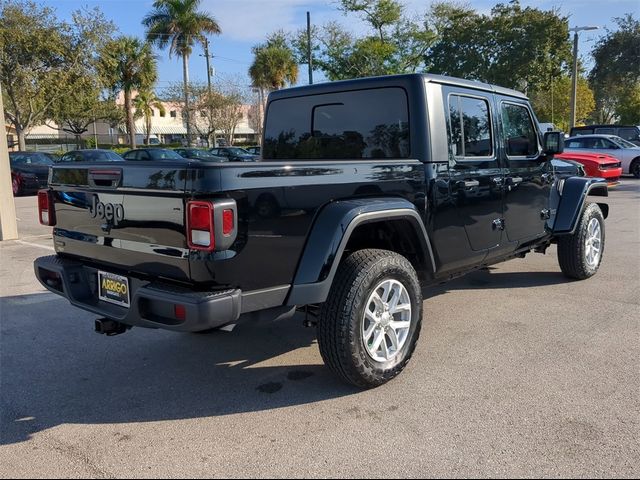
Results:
55 370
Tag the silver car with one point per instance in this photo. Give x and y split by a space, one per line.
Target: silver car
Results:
623 150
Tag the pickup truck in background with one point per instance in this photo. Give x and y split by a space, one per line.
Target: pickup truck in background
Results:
367 192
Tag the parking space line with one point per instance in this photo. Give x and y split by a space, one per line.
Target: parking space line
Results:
36 245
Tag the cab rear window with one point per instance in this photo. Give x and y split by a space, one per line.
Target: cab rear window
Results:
363 124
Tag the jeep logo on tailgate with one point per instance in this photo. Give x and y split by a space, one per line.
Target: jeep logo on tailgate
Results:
111 212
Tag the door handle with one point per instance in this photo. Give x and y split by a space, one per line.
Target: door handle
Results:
468 184
514 181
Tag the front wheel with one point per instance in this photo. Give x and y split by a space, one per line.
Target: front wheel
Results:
635 168
370 324
580 254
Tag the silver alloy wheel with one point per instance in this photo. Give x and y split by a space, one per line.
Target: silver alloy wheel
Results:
386 321
593 243
15 185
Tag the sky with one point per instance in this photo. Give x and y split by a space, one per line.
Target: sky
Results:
245 23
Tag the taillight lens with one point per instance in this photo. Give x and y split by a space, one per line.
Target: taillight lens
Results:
46 213
200 233
228 220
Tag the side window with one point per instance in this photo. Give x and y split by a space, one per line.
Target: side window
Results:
131 155
608 144
576 144
521 139
470 127
628 133
606 131
358 124
585 131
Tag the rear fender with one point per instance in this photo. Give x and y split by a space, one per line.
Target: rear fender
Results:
330 234
569 201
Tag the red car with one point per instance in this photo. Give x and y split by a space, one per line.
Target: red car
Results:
596 165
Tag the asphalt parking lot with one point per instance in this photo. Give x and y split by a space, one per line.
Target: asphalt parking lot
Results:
518 373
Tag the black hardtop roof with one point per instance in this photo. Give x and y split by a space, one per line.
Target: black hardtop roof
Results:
391 80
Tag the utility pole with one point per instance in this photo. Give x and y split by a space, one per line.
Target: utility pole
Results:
574 82
8 223
309 60
206 54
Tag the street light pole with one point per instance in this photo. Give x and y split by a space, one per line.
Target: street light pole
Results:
574 82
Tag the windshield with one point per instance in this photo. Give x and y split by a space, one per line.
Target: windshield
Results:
622 143
165 155
238 151
33 159
104 155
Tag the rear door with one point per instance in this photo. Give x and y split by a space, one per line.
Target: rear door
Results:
475 176
528 177
126 219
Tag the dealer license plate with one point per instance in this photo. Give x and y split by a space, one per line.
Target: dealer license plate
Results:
113 288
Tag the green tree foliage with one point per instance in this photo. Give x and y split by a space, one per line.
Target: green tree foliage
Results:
179 25
40 57
81 105
145 103
127 64
274 65
615 77
514 47
552 103
397 44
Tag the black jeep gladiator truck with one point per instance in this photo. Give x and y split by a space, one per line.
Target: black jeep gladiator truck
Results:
367 192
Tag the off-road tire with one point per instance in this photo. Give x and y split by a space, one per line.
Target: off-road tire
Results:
572 248
635 168
339 326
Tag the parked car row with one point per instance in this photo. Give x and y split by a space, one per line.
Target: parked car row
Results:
602 155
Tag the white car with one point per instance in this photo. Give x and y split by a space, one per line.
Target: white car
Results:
623 150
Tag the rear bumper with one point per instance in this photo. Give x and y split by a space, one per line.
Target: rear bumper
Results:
152 303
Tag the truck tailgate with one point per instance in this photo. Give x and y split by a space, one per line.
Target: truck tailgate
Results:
125 216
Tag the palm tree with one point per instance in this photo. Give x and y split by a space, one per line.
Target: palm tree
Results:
179 25
145 102
127 64
274 65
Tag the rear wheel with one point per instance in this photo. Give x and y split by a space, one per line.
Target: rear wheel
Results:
369 326
16 186
635 168
580 254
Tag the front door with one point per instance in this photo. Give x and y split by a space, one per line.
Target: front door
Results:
528 177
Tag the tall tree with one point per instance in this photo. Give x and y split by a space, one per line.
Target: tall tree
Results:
615 77
397 43
553 102
128 64
82 104
179 24
274 65
40 56
145 103
513 47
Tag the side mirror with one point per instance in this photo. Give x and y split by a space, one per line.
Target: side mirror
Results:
553 143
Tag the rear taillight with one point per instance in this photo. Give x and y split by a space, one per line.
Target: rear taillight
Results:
211 225
46 213
228 222
200 231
